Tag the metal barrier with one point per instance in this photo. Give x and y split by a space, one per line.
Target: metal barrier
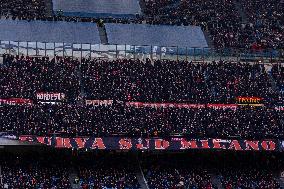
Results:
138 52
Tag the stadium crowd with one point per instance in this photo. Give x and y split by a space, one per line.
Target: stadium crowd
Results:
256 26
23 9
130 80
218 16
248 178
172 81
52 169
20 172
23 77
124 81
168 176
71 120
277 73
135 80
197 169
107 172
266 20
250 171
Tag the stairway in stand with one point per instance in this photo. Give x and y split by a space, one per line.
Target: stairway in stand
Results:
216 181
103 34
72 176
49 7
241 11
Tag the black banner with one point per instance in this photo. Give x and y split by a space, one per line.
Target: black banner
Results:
124 143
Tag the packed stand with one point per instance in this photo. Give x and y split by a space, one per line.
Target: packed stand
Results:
168 178
136 81
251 171
219 17
266 20
71 120
227 81
126 81
172 81
133 80
155 8
204 170
23 77
23 9
107 172
170 173
226 24
31 172
252 178
277 72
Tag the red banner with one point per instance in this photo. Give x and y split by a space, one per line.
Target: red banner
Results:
16 101
163 105
223 106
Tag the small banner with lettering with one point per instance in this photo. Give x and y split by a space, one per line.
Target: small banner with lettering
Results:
126 143
50 98
279 108
163 105
16 101
249 101
99 102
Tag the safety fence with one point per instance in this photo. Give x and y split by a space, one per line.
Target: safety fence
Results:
138 52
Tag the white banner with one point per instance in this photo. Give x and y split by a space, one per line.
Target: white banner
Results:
50 96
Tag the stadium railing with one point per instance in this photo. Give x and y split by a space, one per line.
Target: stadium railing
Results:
103 51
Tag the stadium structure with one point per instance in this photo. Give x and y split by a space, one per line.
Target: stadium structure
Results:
141 94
